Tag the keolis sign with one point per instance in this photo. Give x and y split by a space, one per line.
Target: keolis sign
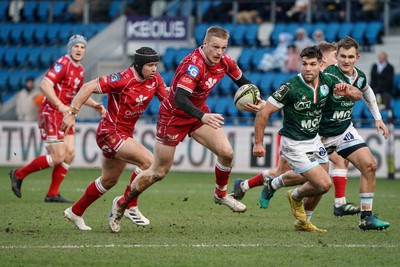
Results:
163 28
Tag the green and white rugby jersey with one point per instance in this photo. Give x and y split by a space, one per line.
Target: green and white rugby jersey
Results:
337 112
302 105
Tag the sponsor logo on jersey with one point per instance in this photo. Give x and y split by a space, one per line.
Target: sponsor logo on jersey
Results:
172 137
151 86
324 90
281 92
114 77
186 79
220 70
192 71
322 151
301 105
360 82
348 137
106 148
57 68
141 99
211 82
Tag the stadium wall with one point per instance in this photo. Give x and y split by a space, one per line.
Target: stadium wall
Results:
21 142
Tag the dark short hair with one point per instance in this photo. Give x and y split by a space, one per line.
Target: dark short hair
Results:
312 52
347 43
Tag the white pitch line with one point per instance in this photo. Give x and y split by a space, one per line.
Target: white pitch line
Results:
200 246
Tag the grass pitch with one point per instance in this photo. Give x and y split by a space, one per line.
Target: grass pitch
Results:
188 229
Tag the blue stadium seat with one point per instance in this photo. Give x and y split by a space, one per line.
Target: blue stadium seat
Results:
292 27
3 10
278 79
331 31
345 29
33 57
180 54
359 30
52 33
4 74
28 33
66 30
258 55
14 81
40 33
211 102
59 9
43 11
46 57
239 33
153 106
29 11
5 31
16 33
169 58
251 35
266 84
9 56
167 76
278 29
199 32
254 77
114 9
21 58
226 86
222 105
309 27
245 58
358 110
374 32
231 109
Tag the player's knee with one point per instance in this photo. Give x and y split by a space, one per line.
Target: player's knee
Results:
324 187
227 154
371 166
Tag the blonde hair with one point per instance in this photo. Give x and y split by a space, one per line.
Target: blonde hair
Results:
327 47
217 31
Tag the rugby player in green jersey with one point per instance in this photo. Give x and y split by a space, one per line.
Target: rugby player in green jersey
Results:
302 99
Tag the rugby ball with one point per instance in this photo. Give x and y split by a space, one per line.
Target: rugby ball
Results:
247 93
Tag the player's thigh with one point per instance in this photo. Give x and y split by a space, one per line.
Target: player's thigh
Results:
214 139
338 161
362 159
135 153
57 151
318 177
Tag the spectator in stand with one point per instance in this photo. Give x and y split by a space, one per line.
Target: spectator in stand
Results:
302 40
370 9
293 60
382 80
276 61
25 106
298 11
318 36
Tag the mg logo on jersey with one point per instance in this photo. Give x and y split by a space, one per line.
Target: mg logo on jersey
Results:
342 114
348 137
141 99
211 82
310 124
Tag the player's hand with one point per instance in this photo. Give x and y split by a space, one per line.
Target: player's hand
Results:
255 107
99 107
68 123
213 120
380 125
63 109
259 150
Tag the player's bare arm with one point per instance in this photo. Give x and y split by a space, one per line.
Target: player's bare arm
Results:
260 123
48 90
182 101
80 98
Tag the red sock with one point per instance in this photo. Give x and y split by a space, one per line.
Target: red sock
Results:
35 165
134 202
257 180
57 176
91 194
339 177
222 174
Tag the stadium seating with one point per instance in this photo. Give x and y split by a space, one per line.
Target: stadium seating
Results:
374 32
250 35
